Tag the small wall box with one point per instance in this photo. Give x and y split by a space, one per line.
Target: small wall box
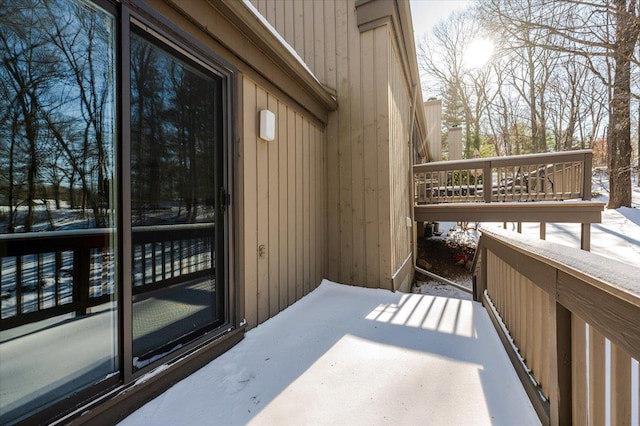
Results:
267 125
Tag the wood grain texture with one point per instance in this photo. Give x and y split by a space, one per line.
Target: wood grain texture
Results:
281 181
273 207
615 318
620 386
579 370
381 41
596 378
262 206
291 206
250 219
283 211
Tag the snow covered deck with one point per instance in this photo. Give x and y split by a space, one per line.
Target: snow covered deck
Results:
347 355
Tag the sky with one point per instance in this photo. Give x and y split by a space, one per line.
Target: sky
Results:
427 13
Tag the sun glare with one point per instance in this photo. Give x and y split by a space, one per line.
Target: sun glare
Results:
478 53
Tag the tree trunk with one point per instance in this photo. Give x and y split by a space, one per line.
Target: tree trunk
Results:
619 132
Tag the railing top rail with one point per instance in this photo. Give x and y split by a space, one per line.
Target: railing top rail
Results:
45 235
614 277
513 160
22 243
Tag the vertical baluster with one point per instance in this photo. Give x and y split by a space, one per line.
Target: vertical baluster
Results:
173 258
571 179
500 184
579 370
57 264
503 183
556 179
39 281
190 251
19 285
468 185
596 378
153 262
143 263
81 274
180 258
620 386
514 185
164 260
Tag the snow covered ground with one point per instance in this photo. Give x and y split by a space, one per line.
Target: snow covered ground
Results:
346 355
617 237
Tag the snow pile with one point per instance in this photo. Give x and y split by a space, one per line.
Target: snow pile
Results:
347 355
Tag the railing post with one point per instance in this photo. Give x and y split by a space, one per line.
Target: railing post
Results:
560 397
487 185
586 182
481 284
81 271
585 236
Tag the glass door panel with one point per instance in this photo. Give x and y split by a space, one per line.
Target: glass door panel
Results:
175 175
58 288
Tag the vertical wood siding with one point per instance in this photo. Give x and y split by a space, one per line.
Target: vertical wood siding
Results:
283 194
366 157
604 384
399 162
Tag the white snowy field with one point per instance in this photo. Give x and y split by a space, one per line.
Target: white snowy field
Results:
617 237
345 355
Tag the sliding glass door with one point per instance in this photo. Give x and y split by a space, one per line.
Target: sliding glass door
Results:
112 202
176 177
58 208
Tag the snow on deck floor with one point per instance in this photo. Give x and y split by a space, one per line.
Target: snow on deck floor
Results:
348 356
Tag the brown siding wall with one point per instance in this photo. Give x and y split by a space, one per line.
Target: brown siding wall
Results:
283 194
307 25
401 179
366 138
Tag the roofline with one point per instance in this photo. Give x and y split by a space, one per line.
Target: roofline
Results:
262 36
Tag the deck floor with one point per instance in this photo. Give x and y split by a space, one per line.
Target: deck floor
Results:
344 356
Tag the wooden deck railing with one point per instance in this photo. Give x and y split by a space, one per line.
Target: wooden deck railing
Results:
46 274
549 176
558 311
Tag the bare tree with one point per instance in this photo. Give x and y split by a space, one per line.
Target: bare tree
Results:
464 90
605 33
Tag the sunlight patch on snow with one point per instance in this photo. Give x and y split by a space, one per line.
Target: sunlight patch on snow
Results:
445 315
330 359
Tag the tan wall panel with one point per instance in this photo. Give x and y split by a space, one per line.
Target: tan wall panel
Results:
381 41
371 161
262 205
399 122
249 221
366 164
283 211
356 144
280 190
274 233
291 205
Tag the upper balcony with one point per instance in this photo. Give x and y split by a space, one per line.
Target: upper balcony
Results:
540 188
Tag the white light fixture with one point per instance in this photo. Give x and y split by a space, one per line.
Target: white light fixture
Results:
267 125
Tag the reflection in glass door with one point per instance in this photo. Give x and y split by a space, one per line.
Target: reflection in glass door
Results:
176 145
58 273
